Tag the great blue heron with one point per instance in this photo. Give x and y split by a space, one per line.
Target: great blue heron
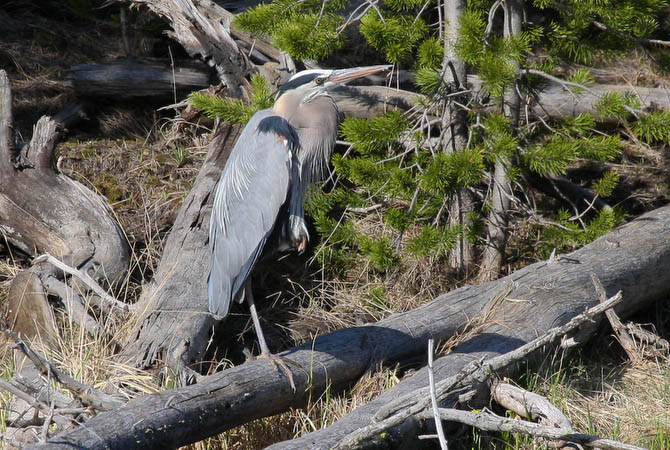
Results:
259 199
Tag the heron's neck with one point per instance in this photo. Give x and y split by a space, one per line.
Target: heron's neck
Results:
289 103
286 104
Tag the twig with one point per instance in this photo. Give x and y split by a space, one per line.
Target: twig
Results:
365 210
47 424
488 421
619 329
16 392
90 282
74 305
87 394
489 24
528 404
433 397
647 337
417 401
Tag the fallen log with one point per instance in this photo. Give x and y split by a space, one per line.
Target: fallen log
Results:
552 103
133 79
518 308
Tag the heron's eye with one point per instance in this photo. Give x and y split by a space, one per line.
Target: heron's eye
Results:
318 80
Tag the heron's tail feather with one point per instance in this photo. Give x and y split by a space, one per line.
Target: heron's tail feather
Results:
218 289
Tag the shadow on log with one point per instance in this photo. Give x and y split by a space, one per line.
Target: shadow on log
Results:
519 307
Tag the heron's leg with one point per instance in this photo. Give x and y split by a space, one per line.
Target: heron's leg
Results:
277 361
254 317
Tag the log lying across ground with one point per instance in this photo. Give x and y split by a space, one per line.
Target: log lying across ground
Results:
554 102
633 258
146 78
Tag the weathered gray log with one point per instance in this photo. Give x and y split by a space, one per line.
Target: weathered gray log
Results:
631 258
552 103
176 324
538 301
132 79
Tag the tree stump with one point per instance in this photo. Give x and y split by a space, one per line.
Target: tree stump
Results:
44 211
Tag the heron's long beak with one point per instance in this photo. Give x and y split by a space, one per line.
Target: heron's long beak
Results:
342 76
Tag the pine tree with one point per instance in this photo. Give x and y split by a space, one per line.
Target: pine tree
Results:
426 174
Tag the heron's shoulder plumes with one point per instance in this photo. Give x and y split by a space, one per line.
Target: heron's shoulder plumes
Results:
281 129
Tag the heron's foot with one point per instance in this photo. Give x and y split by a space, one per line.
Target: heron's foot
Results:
279 362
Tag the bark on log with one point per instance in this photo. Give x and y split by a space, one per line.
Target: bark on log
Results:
132 79
176 324
538 297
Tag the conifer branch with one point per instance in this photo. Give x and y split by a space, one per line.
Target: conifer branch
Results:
639 40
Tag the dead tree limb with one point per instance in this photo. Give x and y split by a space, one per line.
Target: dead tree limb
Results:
541 296
529 404
488 421
87 394
206 37
619 329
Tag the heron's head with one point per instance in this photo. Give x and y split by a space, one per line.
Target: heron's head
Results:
314 82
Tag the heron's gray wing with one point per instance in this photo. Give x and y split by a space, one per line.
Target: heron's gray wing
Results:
253 186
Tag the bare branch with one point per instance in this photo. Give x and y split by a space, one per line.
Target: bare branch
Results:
488 421
110 301
433 397
639 40
529 404
87 394
619 329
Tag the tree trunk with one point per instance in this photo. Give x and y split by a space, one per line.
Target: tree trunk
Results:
455 133
501 191
541 296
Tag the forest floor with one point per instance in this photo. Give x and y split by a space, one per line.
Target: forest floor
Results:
131 154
